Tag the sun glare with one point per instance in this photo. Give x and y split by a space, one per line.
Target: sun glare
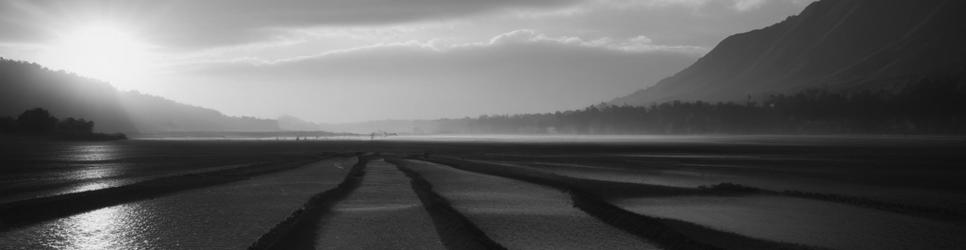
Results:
104 52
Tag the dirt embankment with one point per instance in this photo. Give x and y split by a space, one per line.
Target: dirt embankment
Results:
456 231
27 212
667 233
298 230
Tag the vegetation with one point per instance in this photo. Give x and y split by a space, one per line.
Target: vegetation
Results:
926 107
39 122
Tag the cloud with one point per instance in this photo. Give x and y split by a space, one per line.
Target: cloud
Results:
514 72
517 39
740 5
192 23
695 7
745 5
675 22
638 43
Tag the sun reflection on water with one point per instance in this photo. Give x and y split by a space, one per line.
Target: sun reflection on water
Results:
94 152
93 177
86 167
107 228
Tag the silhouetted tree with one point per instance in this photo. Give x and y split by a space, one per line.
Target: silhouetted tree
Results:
75 126
39 122
8 125
36 121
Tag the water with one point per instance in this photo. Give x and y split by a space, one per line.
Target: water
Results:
918 170
229 216
520 215
770 179
803 221
39 168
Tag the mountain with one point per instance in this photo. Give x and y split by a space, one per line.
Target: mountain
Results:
292 123
27 85
389 126
152 114
832 44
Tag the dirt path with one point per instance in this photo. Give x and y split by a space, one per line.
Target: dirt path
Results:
382 213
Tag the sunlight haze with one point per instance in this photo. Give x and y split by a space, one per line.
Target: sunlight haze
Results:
407 60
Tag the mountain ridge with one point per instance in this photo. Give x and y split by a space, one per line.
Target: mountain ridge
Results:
28 85
835 44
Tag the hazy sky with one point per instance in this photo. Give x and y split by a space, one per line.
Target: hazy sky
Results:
354 60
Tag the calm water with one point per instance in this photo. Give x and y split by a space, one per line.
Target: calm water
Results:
807 222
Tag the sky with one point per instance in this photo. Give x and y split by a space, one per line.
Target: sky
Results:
342 61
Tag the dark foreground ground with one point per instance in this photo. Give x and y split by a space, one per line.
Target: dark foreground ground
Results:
748 192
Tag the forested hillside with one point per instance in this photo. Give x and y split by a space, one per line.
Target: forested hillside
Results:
839 45
925 107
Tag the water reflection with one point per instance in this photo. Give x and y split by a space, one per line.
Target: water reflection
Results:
87 187
93 152
93 177
809 222
117 227
99 171
92 230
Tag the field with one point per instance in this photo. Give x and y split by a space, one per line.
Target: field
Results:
731 192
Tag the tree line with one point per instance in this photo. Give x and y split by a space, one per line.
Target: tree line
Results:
924 107
39 122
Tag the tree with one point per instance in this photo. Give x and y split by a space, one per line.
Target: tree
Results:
36 121
75 126
7 125
928 106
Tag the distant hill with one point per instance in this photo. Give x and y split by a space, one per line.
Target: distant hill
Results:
292 123
389 126
832 44
26 85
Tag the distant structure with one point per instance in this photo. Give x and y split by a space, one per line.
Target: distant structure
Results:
372 136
